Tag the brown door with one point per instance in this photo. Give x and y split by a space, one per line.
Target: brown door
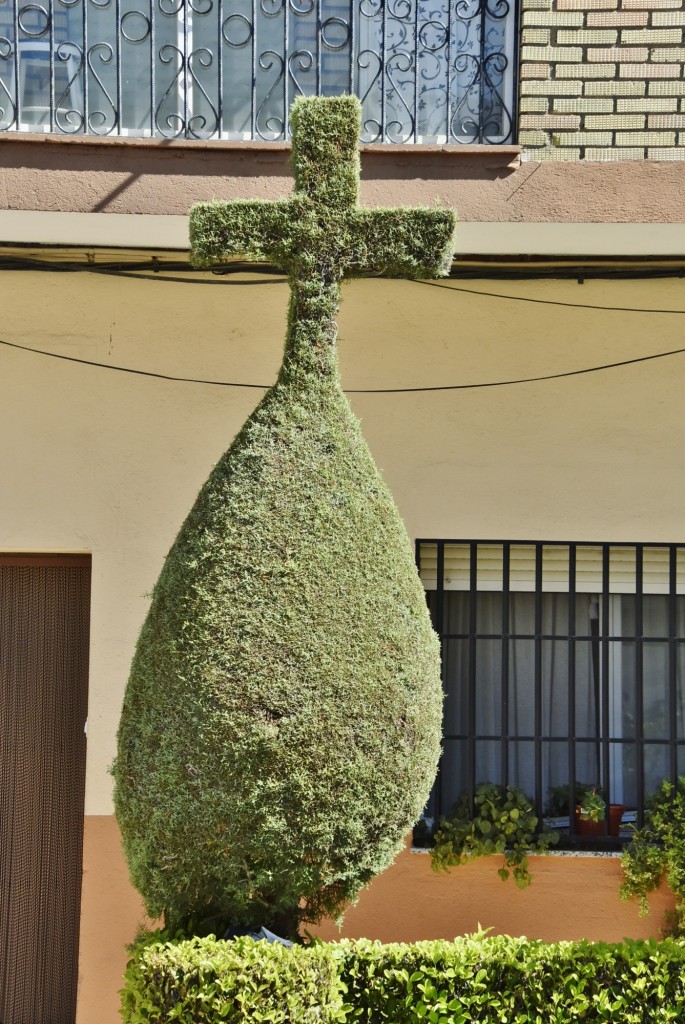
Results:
44 628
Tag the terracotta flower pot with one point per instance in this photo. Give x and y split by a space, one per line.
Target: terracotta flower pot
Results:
585 827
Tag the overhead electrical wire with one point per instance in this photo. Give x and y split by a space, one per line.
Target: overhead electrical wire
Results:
349 391
549 302
140 270
158 270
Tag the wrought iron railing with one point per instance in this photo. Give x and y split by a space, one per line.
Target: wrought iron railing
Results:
425 70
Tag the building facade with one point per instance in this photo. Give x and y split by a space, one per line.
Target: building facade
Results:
526 413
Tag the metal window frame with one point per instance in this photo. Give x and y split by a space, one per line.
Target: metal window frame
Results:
444 58
605 741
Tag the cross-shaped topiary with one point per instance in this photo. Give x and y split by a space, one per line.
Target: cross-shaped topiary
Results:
281 725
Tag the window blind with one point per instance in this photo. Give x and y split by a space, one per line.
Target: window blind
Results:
555 562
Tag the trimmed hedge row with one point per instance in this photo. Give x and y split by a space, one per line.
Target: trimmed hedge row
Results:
498 980
504 980
203 980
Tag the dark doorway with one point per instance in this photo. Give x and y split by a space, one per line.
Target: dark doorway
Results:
44 633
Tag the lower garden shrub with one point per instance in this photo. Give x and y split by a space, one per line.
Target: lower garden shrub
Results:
505 980
205 980
497 980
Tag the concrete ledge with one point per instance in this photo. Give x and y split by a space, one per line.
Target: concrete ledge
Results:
149 233
567 239
507 154
611 854
93 230
128 141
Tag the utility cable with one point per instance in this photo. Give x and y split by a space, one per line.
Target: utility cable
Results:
158 271
349 391
549 302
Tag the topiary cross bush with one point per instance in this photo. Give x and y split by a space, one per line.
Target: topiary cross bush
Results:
281 725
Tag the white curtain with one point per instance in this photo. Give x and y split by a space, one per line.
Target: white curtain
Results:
487 672
656 686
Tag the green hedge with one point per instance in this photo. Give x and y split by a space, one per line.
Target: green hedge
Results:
514 981
489 980
202 981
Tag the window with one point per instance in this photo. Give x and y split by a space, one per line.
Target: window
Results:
426 73
561 662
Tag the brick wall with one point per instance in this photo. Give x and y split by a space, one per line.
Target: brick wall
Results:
603 80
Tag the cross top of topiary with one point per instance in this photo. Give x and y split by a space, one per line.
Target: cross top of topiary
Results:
320 235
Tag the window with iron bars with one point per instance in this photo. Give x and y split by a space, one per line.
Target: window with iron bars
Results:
563 668
426 71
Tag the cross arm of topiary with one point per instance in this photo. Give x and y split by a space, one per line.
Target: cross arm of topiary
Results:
281 725
320 233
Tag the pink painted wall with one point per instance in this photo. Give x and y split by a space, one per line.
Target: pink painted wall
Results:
483 184
570 898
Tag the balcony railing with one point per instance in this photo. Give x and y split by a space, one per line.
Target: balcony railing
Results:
427 71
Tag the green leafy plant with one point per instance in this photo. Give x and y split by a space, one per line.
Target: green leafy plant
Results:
657 851
486 979
281 724
592 806
559 802
502 821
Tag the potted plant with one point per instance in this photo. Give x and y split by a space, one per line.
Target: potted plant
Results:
590 812
559 802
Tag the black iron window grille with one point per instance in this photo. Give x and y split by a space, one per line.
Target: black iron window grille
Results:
563 668
427 71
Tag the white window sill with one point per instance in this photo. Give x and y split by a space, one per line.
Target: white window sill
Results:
613 854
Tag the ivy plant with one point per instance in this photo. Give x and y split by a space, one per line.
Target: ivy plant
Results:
501 820
657 851
592 806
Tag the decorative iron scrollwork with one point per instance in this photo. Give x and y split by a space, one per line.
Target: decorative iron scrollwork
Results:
425 70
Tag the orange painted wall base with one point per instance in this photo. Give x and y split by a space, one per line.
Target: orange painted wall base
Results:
573 897
111 914
570 898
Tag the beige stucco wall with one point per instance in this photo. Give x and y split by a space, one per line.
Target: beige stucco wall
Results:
109 463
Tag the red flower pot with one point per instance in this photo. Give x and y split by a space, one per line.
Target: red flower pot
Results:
585 827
